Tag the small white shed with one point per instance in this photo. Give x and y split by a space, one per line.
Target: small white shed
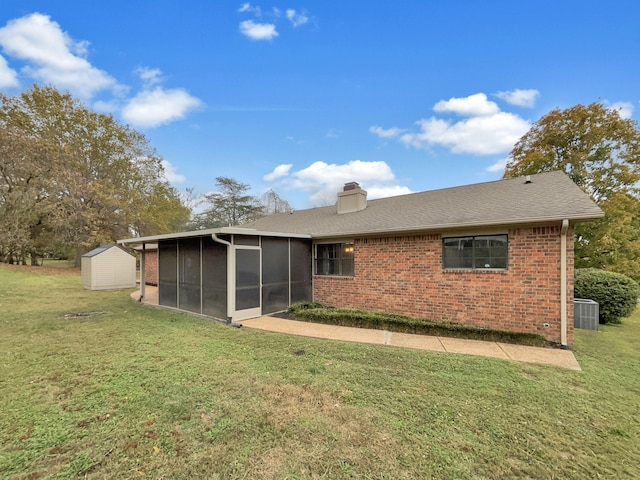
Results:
108 268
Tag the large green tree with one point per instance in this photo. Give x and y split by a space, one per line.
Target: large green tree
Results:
100 177
30 220
600 151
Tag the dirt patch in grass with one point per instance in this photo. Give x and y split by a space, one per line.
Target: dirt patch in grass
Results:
83 314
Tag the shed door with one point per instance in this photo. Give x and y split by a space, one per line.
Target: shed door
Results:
248 284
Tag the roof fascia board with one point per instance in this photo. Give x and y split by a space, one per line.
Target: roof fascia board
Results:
209 232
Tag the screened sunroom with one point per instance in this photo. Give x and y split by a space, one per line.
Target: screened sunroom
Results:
230 273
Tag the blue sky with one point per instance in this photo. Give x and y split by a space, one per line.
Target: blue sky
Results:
303 96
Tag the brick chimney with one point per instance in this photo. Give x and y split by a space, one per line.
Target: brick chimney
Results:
352 198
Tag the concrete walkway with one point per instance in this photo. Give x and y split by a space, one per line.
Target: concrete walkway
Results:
506 351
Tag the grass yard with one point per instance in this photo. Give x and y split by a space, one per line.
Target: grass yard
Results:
136 392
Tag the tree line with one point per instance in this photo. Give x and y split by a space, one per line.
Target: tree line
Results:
72 179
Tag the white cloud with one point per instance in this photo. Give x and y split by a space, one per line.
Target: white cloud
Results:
322 181
150 76
486 131
171 174
152 108
296 18
267 30
625 109
248 8
520 98
484 135
471 106
386 133
52 56
278 172
499 166
8 76
258 31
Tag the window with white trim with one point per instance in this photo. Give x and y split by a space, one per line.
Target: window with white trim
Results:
334 259
475 252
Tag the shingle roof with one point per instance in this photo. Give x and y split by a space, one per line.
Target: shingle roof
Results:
97 251
104 248
551 196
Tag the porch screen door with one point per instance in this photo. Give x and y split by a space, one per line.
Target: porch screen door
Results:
248 284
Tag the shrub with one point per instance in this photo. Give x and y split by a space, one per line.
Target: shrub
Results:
616 294
315 312
301 306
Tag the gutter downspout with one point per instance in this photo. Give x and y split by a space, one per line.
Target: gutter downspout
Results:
563 283
143 273
230 269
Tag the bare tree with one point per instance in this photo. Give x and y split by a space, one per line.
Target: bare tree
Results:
274 203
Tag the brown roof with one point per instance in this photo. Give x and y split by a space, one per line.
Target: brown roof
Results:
549 197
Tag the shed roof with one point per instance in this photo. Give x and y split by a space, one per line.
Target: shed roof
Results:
547 197
104 248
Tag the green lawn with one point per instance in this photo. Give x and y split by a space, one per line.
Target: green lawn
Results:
137 392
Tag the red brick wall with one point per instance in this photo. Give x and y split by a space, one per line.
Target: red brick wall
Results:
404 275
151 267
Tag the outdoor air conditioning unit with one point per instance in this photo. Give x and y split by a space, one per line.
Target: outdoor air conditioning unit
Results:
586 314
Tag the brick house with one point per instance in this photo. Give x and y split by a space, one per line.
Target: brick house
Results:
496 254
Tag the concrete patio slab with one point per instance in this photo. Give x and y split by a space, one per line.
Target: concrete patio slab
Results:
150 295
